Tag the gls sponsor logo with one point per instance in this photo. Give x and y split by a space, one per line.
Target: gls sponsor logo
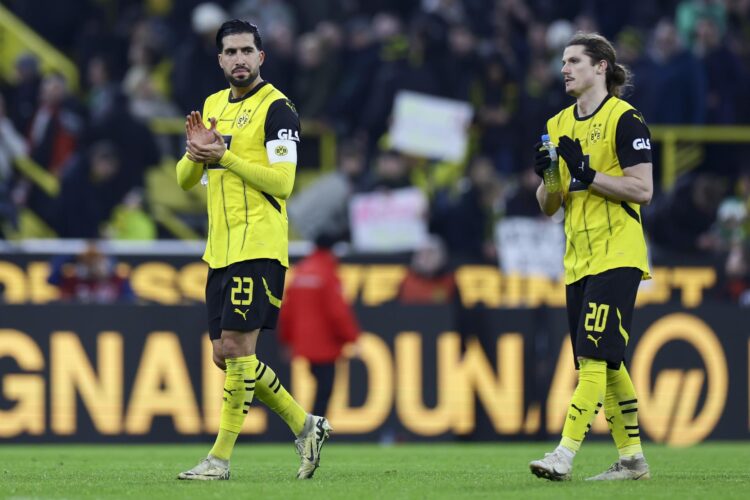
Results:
287 134
639 144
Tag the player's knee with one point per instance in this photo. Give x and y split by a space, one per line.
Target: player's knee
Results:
235 346
219 361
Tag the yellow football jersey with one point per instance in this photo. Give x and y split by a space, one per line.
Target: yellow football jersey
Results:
602 233
245 223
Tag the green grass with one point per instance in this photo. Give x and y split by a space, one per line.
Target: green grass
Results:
348 471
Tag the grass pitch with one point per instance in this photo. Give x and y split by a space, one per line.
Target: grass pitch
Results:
351 471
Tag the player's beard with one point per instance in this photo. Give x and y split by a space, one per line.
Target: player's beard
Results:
242 82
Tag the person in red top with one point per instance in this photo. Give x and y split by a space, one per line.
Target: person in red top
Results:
316 322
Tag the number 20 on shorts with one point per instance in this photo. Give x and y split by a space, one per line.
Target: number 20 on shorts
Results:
598 316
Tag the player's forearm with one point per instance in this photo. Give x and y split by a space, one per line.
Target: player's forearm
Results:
549 203
188 173
277 180
632 189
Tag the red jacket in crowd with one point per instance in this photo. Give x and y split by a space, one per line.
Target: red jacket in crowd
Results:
315 320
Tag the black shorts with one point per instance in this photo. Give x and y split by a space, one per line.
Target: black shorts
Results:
244 296
600 311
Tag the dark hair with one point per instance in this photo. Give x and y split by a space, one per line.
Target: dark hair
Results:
234 27
598 49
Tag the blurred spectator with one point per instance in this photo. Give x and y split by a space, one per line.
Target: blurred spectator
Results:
316 322
359 63
12 146
680 220
131 138
465 219
147 53
315 76
420 65
497 104
522 200
690 13
146 104
730 238
391 171
23 94
130 221
87 195
542 96
91 278
464 61
737 275
56 126
725 76
323 207
195 75
103 89
428 281
53 139
279 69
674 91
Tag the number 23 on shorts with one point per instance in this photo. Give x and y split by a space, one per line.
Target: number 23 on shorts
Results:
242 287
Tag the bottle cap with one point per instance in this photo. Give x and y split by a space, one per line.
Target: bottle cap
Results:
545 137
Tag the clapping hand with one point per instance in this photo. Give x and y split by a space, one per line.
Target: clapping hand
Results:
204 145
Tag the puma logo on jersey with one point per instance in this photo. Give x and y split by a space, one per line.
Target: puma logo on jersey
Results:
639 144
243 314
611 420
594 340
287 134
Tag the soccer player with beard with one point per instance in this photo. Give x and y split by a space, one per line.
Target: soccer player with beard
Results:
605 145
245 153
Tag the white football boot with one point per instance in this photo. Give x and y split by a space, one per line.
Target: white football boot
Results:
308 445
555 466
625 469
209 469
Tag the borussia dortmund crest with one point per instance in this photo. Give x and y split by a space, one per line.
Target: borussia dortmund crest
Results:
243 119
281 151
596 133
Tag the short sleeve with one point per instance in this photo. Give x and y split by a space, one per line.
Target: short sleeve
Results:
632 139
282 121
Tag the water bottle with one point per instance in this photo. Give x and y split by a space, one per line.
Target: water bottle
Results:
552 173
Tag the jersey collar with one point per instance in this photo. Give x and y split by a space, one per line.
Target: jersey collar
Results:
249 94
584 118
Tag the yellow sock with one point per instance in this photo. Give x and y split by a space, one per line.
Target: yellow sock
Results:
239 387
621 412
592 382
272 394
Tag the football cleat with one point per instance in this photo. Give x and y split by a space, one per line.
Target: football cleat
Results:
625 469
309 444
209 469
554 466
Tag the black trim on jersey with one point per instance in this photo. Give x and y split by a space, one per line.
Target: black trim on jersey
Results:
630 128
584 118
630 211
272 201
282 115
249 94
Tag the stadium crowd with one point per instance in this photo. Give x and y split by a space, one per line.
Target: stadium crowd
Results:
342 62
